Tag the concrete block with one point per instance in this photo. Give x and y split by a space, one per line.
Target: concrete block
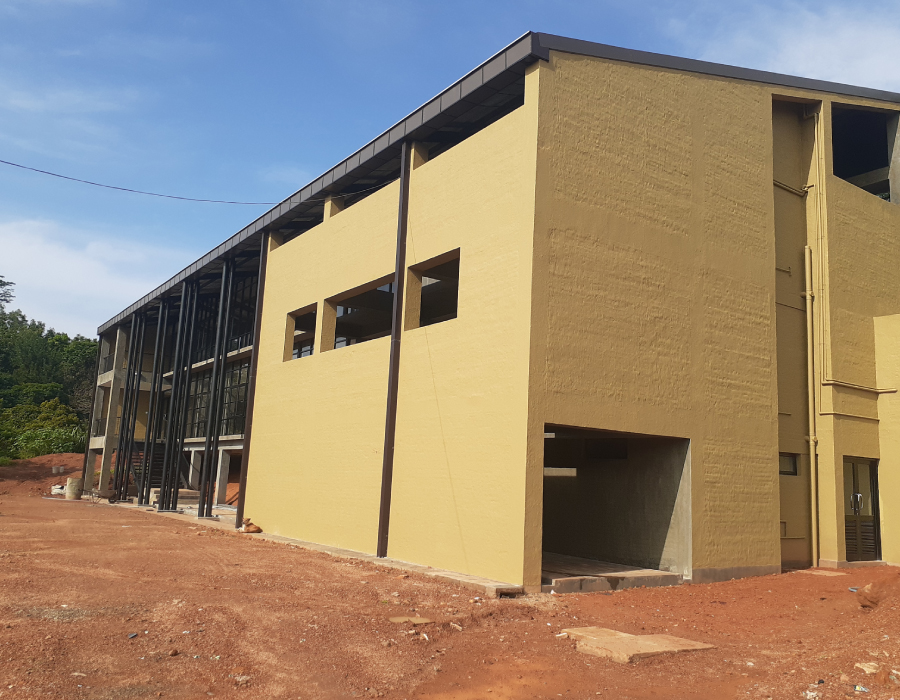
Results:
623 647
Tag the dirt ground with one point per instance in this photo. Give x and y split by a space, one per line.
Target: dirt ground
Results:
97 601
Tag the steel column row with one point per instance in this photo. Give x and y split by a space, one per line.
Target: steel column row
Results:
133 366
153 432
216 393
173 454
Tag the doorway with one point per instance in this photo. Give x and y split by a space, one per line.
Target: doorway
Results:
861 509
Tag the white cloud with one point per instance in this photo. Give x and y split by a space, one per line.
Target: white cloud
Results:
846 42
66 101
285 174
74 280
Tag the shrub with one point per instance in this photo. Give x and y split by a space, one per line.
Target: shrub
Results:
46 441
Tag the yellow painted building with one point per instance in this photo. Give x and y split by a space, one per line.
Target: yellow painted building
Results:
635 295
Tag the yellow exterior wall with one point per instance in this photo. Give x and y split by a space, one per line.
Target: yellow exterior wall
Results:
793 140
620 239
654 284
459 477
316 458
887 353
318 424
857 283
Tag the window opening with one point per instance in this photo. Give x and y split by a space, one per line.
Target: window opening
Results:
862 146
301 333
364 316
234 402
787 464
433 291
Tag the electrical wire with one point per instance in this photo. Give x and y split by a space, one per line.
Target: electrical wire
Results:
126 189
184 199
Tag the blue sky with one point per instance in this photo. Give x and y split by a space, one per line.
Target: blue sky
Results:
251 100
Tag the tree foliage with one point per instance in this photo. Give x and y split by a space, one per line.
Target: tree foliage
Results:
46 381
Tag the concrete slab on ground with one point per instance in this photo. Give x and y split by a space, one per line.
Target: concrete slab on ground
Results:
820 572
623 647
562 573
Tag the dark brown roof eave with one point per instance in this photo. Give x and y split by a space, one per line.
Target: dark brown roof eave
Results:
525 50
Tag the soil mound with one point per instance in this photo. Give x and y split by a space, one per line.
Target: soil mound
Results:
35 476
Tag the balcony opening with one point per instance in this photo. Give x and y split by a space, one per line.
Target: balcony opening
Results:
364 315
862 143
433 291
301 333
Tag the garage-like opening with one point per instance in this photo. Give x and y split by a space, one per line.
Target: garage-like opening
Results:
615 501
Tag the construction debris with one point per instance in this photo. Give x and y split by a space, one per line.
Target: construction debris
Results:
623 647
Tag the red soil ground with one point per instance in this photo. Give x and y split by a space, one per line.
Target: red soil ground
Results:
217 614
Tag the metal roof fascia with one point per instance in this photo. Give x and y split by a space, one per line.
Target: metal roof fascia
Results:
553 42
529 45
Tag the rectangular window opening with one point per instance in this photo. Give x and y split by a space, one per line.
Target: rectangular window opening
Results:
787 464
301 333
364 316
433 291
861 144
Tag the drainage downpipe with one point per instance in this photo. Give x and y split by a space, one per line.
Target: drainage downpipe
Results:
811 401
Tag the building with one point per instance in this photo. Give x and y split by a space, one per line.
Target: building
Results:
587 301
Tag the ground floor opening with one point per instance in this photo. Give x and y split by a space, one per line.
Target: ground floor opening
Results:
617 508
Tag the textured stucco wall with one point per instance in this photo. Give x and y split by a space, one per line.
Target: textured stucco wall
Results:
314 469
654 283
459 476
316 457
793 141
857 266
887 353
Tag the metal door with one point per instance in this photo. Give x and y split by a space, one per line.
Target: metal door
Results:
861 510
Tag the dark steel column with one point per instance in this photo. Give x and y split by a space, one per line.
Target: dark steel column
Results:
185 393
125 420
251 387
220 356
390 424
90 431
167 468
150 431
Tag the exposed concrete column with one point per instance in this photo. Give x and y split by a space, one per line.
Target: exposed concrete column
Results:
196 462
894 152
222 477
100 399
115 391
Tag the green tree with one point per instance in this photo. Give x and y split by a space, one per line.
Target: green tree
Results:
46 383
6 293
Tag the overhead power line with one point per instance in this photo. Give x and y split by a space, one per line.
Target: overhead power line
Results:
126 189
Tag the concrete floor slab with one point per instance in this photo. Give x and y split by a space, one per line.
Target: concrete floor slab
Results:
562 573
623 647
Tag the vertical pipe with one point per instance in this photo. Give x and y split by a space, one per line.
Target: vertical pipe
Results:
213 394
811 406
90 431
390 424
251 387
